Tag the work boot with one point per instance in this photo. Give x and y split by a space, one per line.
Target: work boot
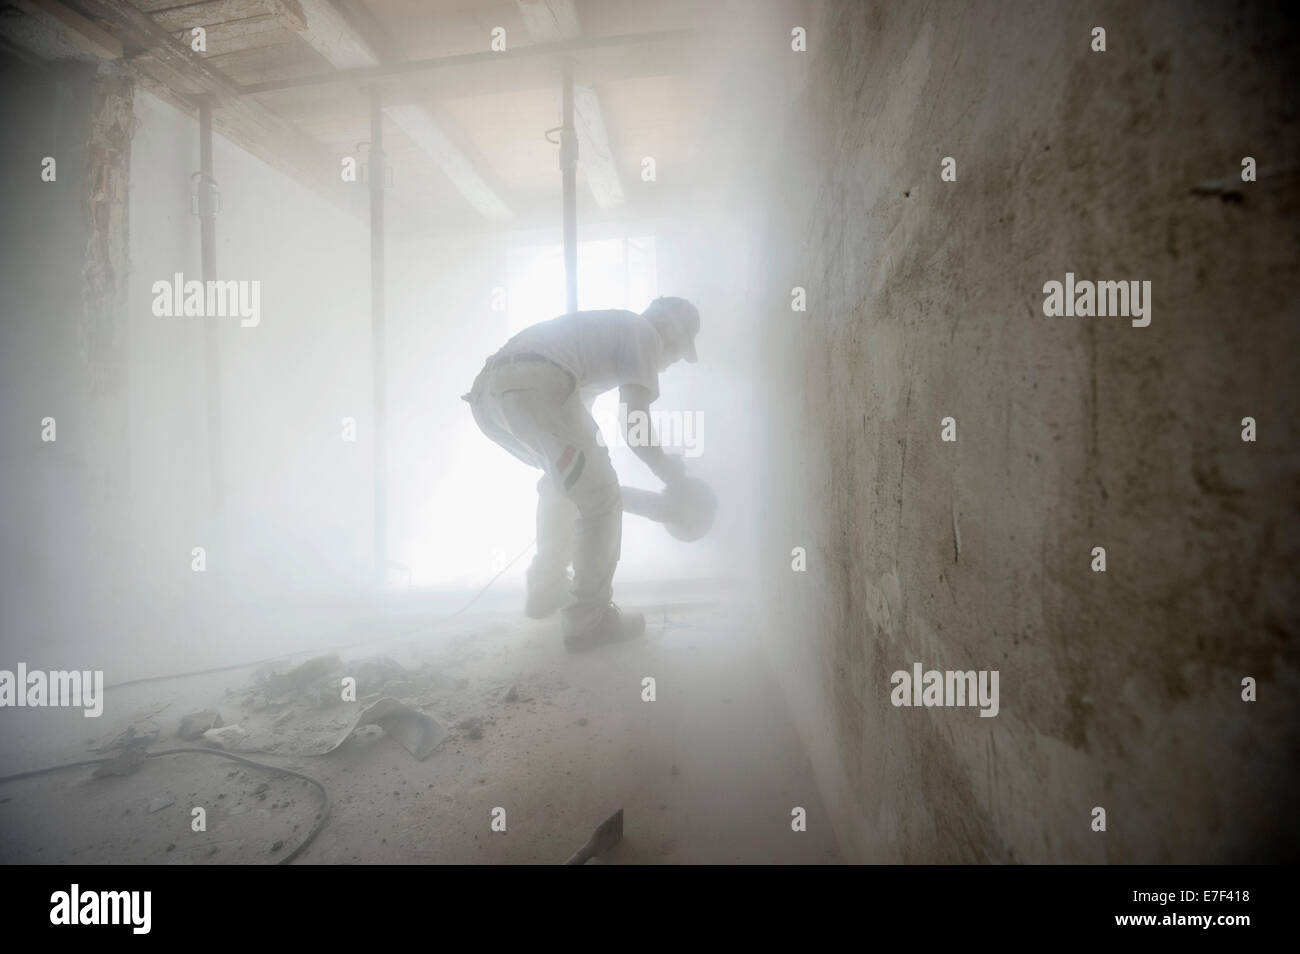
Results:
547 599
612 627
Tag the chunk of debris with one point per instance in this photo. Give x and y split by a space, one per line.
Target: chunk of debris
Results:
609 834
303 675
413 730
226 737
161 802
136 735
472 727
196 723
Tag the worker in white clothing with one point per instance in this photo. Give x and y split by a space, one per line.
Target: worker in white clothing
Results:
534 397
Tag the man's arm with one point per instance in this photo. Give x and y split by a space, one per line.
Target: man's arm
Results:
636 399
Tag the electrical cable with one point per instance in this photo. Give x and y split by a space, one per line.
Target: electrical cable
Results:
311 836
325 808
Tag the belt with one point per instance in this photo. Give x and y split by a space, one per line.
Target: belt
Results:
497 361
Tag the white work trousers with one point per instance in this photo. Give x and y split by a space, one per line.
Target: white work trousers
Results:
532 409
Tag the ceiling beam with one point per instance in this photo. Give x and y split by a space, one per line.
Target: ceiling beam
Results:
329 32
554 21
509 56
549 20
140 31
597 68
153 53
425 132
595 155
208 13
363 21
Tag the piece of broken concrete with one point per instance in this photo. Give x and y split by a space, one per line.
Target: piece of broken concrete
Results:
136 735
196 723
225 737
303 675
414 731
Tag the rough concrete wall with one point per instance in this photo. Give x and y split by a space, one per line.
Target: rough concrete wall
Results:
62 355
925 300
102 333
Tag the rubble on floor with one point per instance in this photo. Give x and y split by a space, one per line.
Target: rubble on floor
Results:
311 708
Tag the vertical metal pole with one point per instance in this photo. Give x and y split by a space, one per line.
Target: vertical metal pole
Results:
379 370
208 252
569 170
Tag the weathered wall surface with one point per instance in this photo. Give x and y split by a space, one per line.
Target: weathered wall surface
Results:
1118 689
63 344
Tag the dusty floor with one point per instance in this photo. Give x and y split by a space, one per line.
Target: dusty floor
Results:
709 772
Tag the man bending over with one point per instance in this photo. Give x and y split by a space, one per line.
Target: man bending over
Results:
534 398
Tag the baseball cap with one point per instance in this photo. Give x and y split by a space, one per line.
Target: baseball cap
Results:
686 316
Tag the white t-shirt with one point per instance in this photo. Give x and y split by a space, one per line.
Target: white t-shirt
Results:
601 349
